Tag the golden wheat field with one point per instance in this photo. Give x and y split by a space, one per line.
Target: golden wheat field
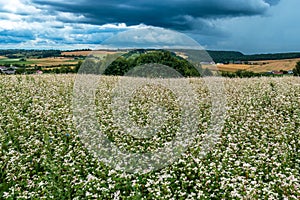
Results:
86 53
262 66
54 61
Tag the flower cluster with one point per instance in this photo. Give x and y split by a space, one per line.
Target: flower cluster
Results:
43 156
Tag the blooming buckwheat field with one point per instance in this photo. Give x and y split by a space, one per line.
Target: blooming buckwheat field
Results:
43 156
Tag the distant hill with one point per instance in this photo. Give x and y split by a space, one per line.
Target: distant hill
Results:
228 56
31 53
225 56
217 56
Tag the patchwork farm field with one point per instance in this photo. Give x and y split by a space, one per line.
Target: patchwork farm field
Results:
42 62
86 53
256 156
277 65
256 66
73 57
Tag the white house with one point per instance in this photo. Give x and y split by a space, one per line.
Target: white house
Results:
7 70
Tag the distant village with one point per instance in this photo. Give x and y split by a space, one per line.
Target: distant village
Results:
280 72
11 70
8 70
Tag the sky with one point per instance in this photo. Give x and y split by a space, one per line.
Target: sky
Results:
249 26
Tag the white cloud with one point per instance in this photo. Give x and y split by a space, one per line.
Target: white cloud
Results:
18 7
67 16
21 21
10 16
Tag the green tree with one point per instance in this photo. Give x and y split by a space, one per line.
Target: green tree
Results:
77 67
207 72
90 66
296 70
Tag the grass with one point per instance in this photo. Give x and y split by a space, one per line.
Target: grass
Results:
6 61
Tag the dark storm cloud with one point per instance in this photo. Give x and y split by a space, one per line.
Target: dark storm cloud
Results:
175 14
